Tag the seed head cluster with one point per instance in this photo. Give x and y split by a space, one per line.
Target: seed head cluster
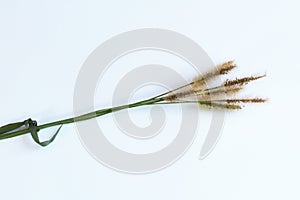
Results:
215 97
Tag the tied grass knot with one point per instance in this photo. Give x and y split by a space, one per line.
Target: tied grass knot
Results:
29 126
34 129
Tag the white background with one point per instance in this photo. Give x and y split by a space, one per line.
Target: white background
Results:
43 45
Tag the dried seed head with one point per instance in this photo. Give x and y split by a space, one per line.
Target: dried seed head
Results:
242 81
174 96
200 81
254 100
179 93
232 90
226 67
211 104
219 92
170 97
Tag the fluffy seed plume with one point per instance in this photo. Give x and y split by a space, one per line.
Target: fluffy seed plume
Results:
199 81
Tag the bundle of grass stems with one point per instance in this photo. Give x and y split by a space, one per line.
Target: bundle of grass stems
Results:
218 97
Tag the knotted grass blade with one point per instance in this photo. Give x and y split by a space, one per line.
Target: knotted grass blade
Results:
34 133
